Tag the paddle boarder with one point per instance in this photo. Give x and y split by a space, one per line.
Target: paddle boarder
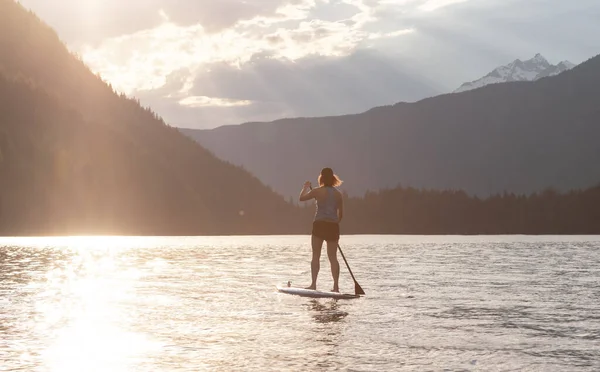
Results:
329 214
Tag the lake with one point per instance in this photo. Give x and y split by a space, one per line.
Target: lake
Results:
433 303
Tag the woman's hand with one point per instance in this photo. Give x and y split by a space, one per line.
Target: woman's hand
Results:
306 192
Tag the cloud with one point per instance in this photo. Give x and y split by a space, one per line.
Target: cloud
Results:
213 115
84 21
142 60
267 89
188 35
204 101
432 5
379 35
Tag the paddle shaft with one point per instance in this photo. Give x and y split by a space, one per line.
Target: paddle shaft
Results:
357 287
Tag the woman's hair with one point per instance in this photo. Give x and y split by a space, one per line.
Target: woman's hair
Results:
328 178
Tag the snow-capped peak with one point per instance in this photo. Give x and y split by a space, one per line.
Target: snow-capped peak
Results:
566 64
539 59
529 70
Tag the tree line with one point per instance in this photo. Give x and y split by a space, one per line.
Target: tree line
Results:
406 210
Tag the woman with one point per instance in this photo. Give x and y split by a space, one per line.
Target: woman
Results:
330 210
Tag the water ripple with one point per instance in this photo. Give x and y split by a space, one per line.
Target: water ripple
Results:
209 304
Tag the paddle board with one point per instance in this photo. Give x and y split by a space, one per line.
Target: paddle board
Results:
315 294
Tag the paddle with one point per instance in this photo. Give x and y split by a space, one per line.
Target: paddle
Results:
357 288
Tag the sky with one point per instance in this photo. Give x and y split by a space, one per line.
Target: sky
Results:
206 63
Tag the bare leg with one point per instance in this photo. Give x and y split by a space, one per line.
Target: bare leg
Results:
315 264
335 265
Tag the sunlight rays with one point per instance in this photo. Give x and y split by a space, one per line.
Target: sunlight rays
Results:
144 63
432 5
142 60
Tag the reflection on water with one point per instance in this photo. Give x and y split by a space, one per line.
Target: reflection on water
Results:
326 312
59 305
193 304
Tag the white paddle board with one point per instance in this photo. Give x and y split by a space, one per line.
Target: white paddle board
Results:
315 294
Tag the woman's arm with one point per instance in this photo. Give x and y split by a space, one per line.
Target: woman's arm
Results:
307 192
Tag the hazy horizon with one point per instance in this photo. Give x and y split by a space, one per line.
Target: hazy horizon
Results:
205 64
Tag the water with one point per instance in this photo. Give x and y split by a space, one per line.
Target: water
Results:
209 304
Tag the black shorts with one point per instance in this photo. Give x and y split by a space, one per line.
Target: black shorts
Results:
328 231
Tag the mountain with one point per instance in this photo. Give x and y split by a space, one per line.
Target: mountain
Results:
530 70
76 158
519 136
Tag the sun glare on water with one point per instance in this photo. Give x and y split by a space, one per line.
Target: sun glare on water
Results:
83 305
79 242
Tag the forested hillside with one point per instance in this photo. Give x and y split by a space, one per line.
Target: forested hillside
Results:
79 158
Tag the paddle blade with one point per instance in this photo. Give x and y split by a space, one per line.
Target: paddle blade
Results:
357 289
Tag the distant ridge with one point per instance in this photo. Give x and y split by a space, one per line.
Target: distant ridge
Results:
529 70
517 137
